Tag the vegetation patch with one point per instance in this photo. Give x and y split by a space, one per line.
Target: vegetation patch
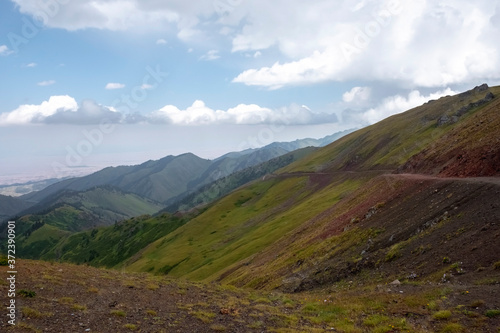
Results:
442 315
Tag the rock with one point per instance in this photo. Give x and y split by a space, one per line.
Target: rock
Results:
489 96
482 87
395 283
443 120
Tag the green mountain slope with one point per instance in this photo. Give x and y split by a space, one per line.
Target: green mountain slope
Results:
342 210
99 206
67 212
10 206
390 143
109 246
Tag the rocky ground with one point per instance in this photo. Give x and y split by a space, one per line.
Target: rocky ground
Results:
67 298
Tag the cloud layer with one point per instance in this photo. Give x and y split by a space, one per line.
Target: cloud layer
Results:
65 110
419 43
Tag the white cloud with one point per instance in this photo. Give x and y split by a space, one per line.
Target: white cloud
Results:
46 83
30 113
65 110
211 55
31 65
4 50
419 43
112 86
161 42
243 114
397 104
146 86
357 93
60 110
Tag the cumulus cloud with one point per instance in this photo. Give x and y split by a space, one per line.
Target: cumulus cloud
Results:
112 86
397 104
116 15
161 42
46 83
357 93
88 113
243 114
432 44
65 110
60 110
31 65
30 113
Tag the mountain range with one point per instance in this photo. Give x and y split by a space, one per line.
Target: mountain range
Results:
406 209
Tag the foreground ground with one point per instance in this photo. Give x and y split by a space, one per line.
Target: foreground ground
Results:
68 298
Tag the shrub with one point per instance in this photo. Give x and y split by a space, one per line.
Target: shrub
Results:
452 328
118 313
442 315
26 293
131 327
492 313
151 312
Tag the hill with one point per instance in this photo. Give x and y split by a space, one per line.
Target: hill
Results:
156 180
10 206
43 226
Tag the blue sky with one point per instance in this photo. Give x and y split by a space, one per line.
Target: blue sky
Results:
210 76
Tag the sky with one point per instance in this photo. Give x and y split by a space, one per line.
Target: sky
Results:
86 84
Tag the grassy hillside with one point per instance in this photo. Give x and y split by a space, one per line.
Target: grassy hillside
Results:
110 246
68 212
390 143
99 206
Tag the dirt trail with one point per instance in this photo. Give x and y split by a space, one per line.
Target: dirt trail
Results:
389 173
475 180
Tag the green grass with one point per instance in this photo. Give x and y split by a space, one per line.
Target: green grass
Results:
442 315
131 327
118 313
492 313
452 328
26 293
204 316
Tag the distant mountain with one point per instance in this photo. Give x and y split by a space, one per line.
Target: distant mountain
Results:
225 185
156 180
99 206
176 176
10 206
